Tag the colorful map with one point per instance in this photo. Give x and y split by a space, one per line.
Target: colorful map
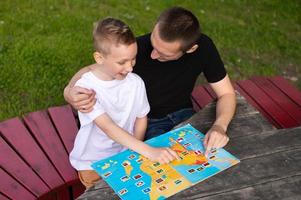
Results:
133 176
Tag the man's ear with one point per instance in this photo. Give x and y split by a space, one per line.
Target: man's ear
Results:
98 57
192 49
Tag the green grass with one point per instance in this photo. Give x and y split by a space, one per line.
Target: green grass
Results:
43 43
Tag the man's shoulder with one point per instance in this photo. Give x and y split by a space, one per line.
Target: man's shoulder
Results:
144 50
206 46
143 41
144 37
204 41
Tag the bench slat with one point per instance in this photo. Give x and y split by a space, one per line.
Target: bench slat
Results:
18 136
267 104
287 88
77 190
63 194
12 188
44 132
255 105
12 163
3 197
64 121
210 91
65 124
49 196
201 97
279 97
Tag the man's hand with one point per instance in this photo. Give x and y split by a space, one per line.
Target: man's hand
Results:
216 137
80 98
162 155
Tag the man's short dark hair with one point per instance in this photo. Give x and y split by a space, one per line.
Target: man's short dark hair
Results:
178 23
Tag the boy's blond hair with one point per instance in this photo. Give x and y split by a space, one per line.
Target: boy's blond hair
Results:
110 31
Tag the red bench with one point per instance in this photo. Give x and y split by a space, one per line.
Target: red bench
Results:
34 149
277 99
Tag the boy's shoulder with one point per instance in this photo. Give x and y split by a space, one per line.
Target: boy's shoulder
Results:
135 77
86 80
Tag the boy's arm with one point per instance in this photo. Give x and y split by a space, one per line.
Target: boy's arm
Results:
162 155
80 98
140 128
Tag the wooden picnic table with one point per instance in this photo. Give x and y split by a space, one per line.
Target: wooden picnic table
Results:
270 166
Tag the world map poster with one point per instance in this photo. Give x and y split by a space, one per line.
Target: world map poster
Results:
132 176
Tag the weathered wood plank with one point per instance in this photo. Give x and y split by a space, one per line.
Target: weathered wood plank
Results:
286 188
249 172
265 143
246 118
243 125
102 194
265 157
243 108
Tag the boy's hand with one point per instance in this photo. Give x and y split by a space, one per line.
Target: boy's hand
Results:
162 155
216 137
80 98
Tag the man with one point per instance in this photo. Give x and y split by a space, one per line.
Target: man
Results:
169 61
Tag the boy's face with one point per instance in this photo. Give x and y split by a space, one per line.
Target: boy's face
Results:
120 61
164 51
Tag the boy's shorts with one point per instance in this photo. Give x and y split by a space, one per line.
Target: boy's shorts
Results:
88 177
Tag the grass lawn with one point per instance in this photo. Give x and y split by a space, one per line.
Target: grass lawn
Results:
43 43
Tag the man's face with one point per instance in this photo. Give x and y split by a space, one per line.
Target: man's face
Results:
164 51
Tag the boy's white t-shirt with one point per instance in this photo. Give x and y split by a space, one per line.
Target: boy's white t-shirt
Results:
122 100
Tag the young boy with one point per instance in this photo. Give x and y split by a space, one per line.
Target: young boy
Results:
119 118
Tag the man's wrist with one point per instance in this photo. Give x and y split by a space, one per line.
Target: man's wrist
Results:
219 128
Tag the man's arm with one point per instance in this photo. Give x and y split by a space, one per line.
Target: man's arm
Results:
80 98
162 155
216 137
140 128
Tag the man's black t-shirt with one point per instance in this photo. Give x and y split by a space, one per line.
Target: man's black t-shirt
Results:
169 84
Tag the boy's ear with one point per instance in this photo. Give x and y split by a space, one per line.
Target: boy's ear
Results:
98 57
192 49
